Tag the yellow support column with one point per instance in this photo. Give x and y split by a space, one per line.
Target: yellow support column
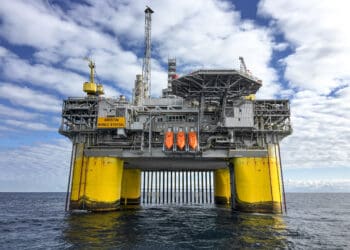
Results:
258 183
96 182
131 187
222 188
102 187
79 162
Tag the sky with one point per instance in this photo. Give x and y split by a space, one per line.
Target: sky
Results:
300 49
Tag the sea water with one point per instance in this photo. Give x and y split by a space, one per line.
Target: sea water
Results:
38 221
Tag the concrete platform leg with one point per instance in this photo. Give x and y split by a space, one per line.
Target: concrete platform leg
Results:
222 189
258 183
96 182
131 187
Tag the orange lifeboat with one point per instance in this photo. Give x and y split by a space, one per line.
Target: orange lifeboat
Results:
169 140
192 140
181 140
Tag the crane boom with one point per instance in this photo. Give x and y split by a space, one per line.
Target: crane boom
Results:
146 66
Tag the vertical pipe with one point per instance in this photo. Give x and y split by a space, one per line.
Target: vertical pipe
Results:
70 174
169 193
171 186
85 177
232 184
151 192
194 187
81 176
206 186
144 185
183 186
197 186
156 186
163 191
198 196
278 167
190 186
175 185
147 187
167 183
269 165
210 183
284 194
180 191
159 186
186 186
202 187
178 187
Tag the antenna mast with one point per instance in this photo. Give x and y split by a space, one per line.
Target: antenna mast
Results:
242 65
146 66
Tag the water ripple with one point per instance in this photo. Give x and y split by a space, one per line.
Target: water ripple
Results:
38 221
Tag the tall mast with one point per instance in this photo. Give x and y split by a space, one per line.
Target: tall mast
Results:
146 66
242 66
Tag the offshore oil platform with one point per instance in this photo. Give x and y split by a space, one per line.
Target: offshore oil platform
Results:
206 140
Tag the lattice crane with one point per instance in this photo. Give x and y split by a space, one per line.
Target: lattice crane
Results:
146 65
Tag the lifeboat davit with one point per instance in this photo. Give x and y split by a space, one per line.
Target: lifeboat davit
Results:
181 140
192 140
169 140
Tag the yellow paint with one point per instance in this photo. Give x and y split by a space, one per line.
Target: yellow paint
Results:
222 188
77 172
258 181
111 122
96 182
250 97
90 88
131 186
102 187
100 90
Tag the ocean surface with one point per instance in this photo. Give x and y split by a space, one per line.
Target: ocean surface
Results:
38 221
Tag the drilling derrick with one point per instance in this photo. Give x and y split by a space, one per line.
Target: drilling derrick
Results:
146 65
208 129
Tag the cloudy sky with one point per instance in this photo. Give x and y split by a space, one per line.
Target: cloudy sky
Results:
300 49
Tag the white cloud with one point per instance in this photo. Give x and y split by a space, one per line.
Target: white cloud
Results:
321 40
47 77
30 125
29 98
40 167
317 69
182 29
6 111
56 39
321 131
5 129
